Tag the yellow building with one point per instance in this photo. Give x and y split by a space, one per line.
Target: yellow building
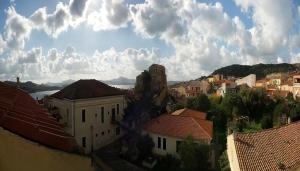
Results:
89 110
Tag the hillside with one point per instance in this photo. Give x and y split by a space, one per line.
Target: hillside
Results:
31 87
261 70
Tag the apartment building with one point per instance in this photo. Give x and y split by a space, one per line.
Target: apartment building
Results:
90 111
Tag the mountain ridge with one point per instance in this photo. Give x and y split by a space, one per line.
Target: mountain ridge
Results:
260 70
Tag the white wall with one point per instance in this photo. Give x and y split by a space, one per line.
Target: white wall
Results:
250 80
232 155
170 144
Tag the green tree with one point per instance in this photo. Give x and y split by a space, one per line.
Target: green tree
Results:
179 106
295 112
219 118
223 162
200 103
145 145
266 122
193 155
168 163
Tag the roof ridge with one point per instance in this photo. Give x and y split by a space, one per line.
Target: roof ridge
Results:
267 130
201 127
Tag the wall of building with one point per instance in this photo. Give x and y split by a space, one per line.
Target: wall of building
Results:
286 87
17 153
171 144
96 133
250 80
231 153
65 109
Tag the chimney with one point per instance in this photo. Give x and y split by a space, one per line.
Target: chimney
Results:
18 82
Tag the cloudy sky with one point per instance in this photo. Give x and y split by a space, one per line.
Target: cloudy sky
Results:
55 40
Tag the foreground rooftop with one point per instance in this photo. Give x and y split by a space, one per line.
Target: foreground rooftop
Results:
274 149
20 114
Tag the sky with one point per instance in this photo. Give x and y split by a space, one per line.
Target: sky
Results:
55 40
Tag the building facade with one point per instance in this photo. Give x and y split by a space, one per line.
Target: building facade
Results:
250 80
296 86
91 115
169 130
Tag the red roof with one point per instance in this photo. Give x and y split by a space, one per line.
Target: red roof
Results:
21 114
181 124
274 149
84 89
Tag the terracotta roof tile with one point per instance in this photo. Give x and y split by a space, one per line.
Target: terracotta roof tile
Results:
269 149
190 113
21 114
181 124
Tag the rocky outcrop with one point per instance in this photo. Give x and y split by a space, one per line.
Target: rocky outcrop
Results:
152 83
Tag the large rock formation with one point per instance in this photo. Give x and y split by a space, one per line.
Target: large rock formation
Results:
152 83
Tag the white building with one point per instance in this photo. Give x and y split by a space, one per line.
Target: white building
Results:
169 130
296 86
90 110
227 88
250 80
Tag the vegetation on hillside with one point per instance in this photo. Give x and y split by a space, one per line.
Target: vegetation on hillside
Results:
248 110
31 87
261 70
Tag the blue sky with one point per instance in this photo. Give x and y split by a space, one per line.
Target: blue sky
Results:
191 38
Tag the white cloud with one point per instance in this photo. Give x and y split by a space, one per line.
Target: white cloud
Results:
272 22
113 14
295 58
77 7
204 37
69 63
31 56
155 17
2 45
58 21
17 30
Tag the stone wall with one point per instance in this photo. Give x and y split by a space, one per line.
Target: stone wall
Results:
154 82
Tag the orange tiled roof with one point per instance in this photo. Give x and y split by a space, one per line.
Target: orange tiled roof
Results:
190 113
270 149
181 124
21 114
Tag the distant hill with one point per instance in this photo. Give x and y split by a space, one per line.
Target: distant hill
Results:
261 70
120 81
61 84
31 87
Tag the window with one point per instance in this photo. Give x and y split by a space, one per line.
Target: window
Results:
178 145
118 131
108 131
164 143
83 141
95 115
102 114
158 142
83 115
118 110
102 133
96 135
113 115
